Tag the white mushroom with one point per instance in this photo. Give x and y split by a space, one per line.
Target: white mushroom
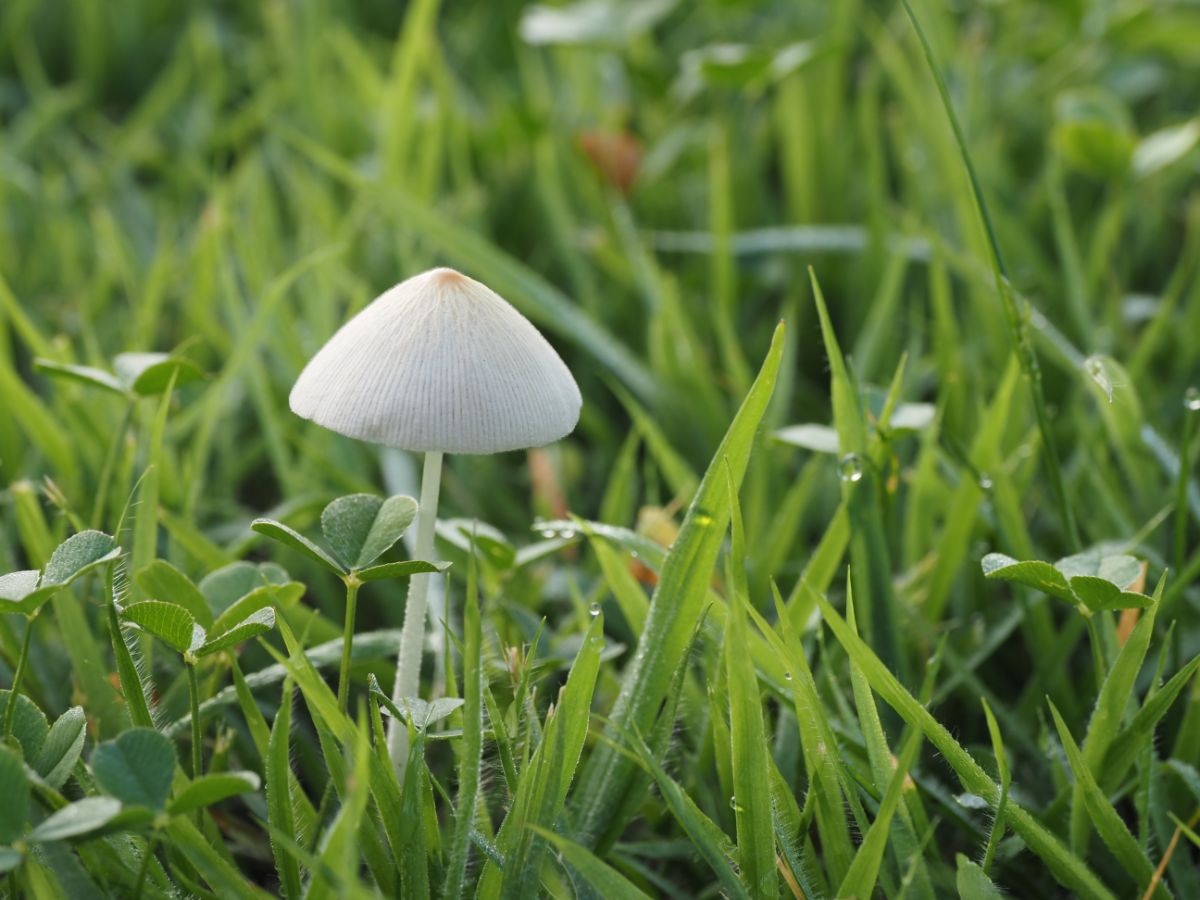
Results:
438 364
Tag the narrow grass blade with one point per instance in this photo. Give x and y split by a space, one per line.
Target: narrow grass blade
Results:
706 837
602 878
1066 866
472 744
1125 745
279 798
883 771
750 761
864 870
1017 320
869 555
544 782
145 524
1107 715
818 744
1106 820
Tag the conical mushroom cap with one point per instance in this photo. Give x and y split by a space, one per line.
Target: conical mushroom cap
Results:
440 362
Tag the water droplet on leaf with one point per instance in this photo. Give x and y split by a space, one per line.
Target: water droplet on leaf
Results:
1094 366
594 610
1191 399
851 467
985 483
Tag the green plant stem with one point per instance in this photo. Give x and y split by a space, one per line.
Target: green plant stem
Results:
412 638
352 585
194 697
1017 318
11 707
144 869
1181 488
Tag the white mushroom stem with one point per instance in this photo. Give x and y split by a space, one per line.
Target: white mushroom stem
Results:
412 638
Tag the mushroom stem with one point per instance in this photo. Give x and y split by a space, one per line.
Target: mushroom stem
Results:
412 638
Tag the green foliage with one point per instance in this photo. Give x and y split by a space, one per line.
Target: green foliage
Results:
27 590
137 768
62 747
982 226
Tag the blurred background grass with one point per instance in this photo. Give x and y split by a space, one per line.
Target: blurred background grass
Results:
173 171
648 182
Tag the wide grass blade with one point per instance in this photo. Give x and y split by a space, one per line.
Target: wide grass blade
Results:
674 609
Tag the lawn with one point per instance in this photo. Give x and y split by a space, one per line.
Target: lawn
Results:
871 567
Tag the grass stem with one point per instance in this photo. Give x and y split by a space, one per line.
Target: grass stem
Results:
194 698
352 585
1017 319
11 707
1181 488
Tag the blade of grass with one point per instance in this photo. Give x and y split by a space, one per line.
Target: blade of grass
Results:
1102 815
1016 319
1106 717
869 555
750 760
674 609
599 875
279 798
1068 868
472 746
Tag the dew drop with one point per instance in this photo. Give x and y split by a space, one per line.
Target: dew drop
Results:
985 483
1191 399
787 675
594 609
734 805
548 532
1094 366
851 467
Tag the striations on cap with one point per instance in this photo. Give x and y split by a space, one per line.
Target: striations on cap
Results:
440 362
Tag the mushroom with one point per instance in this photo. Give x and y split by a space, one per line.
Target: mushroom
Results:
438 364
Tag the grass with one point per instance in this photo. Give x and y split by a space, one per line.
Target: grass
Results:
700 650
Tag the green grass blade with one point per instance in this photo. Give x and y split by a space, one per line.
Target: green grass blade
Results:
1102 815
279 798
1106 717
472 744
869 555
1066 866
602 878
748 744
883 771
864 870
1017 320
542 789
1125 745
675 607
706 836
